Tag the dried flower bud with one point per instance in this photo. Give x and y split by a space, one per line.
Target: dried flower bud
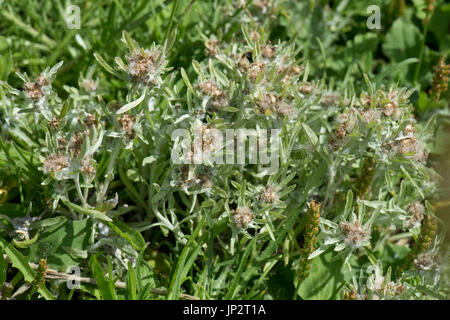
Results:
211 47
89 85
254 70
329 99
425 261
268 103
34 90
76 143
127 123
389 109
269 194
144 65
354 233
56 163
268 51
371 115
416 210
87 167
90 120
242 216
54 123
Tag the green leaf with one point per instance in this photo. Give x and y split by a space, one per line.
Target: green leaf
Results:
232 290
3 267
310 133
25 243
402 40
392 255
348 204
18 260
183 266
186 80
133 236
90 212
131 283
325 279
106 288
128 40
132 104
9 88
366 42
21 263
6 61
107 67
54 241
48 222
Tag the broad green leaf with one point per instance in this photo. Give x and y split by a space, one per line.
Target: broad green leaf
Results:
402 40
20 262
54 241
325 279
131 235
48 222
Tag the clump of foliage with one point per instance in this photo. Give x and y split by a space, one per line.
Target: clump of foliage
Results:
89 180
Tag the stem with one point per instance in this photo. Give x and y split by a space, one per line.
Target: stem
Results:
422 46
172 14
80 195
109 173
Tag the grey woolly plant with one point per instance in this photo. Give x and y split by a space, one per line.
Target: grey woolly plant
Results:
348 208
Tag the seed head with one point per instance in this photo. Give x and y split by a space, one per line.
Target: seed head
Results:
87 167
211 47
56 163
90 120
127 123
143 65
370 115
89 85
389 109
75 144
211 89
416 210
34 90
329 99
242 216
354 233
54 123
440 80
268 51
254 70
268 103
306 88
269 194
425 261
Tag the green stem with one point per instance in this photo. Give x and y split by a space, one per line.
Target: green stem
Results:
80 195
172 14
422 47
109 173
